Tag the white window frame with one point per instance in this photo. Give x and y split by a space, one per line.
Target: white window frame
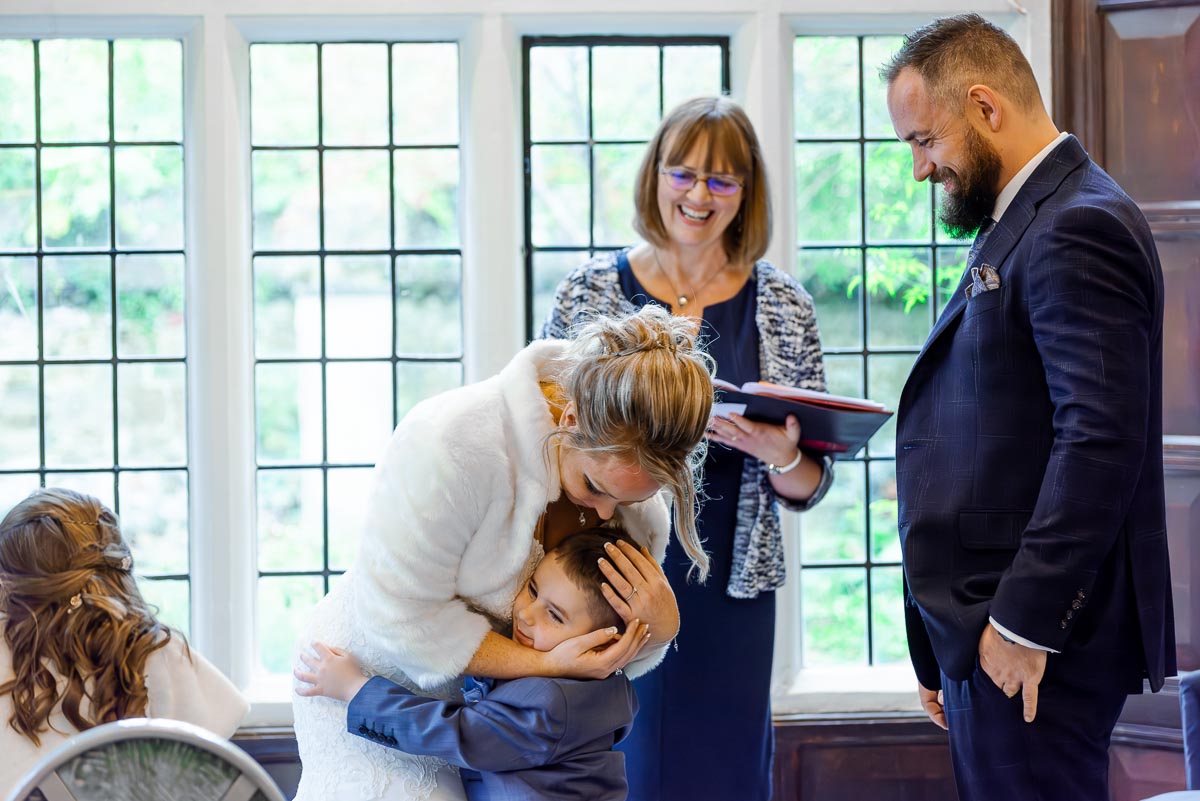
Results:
216 36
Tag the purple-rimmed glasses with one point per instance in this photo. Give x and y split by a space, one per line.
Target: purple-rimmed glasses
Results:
681 179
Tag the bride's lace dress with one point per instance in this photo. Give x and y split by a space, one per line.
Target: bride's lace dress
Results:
338 766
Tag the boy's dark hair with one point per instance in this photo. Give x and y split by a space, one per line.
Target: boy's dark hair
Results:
580 554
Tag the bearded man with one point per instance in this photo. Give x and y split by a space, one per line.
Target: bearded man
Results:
1029 439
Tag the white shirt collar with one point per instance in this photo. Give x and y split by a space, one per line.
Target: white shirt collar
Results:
1010 190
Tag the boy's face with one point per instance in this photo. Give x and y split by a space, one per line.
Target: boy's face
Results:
550 608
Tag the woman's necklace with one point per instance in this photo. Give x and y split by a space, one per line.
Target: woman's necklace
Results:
681 299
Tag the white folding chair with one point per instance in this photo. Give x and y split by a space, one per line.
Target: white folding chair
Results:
146 759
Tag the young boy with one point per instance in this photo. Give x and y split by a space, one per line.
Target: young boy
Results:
530 738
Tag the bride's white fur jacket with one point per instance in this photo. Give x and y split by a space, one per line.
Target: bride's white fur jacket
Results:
450 520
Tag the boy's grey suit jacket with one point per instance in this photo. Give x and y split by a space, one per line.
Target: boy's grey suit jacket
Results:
520 740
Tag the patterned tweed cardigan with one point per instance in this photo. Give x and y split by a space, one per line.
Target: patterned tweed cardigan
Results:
789 352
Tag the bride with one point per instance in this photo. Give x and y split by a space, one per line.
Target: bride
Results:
473 485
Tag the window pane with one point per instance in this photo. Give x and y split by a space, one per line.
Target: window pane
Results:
359 405
952 263
170 598
16 90
616 175
291 519
96 409
283 94
148 90
828 203
150 197
285 604
75 197
354 85
826 87
290 413
580 194
690 71
624 92
152 414
154 520
18 308
833 529
550 267
99 484
425 94
79 434
877 51
356 199
287 306
18 198
74 88
286 200
898 282
844 374
13 489
77 313
834 607
558 97
834 279
349 490
150 306
426 189
886 374
898 208
416 381
560 195
887 616
429 305
358 308
885 541
19 418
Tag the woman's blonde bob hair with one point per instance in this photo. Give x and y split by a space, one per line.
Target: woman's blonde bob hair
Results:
722 128
77 628
643 391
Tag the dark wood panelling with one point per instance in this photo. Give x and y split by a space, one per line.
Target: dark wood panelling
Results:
1076 79
901 757
275 749
1183 523
1152 119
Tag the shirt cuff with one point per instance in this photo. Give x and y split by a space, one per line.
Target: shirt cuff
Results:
1008 635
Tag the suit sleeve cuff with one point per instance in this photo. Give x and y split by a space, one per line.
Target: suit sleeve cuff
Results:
1017 638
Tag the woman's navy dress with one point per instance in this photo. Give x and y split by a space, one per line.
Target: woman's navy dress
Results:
703 729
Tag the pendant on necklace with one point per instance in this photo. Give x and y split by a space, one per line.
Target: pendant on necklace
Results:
683 301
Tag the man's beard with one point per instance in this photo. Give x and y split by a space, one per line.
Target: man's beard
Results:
974 194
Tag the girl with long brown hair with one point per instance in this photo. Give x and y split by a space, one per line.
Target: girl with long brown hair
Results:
80 645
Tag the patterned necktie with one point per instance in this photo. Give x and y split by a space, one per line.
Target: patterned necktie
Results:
985 229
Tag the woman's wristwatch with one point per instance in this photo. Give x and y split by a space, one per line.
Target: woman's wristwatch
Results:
787 468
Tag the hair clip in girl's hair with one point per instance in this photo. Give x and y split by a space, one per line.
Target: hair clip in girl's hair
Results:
75 602
126 563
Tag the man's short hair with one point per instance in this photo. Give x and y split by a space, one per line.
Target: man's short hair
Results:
580 554
952 54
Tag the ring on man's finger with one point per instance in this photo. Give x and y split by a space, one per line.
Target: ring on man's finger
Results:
1012 692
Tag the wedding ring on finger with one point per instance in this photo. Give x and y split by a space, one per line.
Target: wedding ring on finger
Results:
1012 692
630 595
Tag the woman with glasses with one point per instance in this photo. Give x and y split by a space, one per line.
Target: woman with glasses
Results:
702 209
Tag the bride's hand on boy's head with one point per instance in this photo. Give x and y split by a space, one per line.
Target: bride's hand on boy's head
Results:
332 672
638 588
596 655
